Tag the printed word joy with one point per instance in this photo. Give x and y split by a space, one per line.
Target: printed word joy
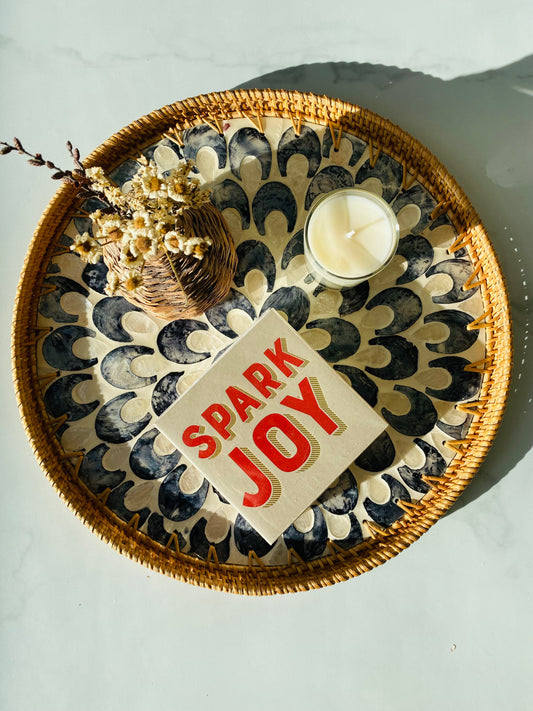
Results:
282 438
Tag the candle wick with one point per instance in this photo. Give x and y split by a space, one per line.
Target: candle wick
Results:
354 233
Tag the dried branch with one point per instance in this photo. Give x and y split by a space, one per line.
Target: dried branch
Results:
76 177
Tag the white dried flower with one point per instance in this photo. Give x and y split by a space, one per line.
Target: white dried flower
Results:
109 226
147 246
178 243
113 283
149 183
129 259
87 248
141 223
133 281
173 241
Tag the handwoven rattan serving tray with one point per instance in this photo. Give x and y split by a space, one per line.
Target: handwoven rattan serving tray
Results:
427 343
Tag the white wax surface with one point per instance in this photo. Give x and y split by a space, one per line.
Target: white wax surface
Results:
350 235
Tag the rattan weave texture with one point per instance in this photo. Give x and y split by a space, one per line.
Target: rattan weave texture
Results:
418 164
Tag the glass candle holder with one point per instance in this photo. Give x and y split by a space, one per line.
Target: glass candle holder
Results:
349 236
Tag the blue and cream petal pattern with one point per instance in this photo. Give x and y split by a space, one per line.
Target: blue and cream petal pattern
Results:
402 340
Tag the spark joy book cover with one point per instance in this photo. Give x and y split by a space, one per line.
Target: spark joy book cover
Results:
271 425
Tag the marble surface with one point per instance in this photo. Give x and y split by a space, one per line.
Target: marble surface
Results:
447 624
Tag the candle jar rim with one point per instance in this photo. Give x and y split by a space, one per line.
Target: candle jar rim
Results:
378 200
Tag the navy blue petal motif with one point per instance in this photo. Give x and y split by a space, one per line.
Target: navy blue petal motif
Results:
378 456
58 398
423 200
174 503
116 368
157 532
219 495
459 270
83 224
93 473
248 539
435 465
345 338
360 382
254 254
465 384
456 431
403 358
354 298
116 503
293 301
172 341
166 143
247 142
419 254
109 425
342 497
146 463
405 305
57 348
270 197
354 536
459 337
165 392
200 544
358 146
204 137
310 544
92 204
306 144
406 309
95 276
295 247
50 303
107 317
218 315
331 178
387 170
386 514
229 194
421 417
125 171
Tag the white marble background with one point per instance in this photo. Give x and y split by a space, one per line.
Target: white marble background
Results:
446 625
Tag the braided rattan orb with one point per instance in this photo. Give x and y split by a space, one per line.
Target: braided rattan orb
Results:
189 286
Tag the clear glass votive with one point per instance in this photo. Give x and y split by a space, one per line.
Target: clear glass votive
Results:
350 235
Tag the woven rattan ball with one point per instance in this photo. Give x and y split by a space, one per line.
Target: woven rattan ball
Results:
202 283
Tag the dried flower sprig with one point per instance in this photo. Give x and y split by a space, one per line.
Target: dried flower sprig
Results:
76 177
141 220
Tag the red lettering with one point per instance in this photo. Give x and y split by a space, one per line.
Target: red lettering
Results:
281 357
262 378
282 460
242 402
259 478
308 404
193 437
220 419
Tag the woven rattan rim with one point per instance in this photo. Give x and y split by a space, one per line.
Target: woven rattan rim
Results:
418 163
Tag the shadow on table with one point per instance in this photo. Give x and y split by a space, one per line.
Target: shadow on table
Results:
481 128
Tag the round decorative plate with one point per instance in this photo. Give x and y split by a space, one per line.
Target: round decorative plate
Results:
426 343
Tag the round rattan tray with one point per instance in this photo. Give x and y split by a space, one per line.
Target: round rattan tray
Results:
427 343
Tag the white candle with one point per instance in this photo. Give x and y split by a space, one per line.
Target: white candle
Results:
349 235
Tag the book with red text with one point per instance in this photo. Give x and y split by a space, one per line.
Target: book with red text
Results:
271 425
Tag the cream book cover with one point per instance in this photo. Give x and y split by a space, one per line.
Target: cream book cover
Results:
271 425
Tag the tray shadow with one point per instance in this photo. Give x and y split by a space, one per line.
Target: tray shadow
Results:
479 126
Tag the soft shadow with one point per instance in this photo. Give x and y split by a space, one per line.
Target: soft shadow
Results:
481 128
